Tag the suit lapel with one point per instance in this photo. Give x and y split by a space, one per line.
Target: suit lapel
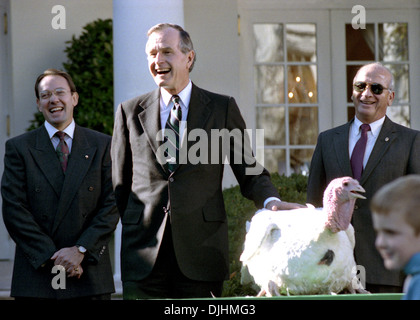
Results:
46 158
199 111
149 117
341 147
384 140
81 157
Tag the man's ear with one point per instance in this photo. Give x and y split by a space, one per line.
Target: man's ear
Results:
75 98
38 103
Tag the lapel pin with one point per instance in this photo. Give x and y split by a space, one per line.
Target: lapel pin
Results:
386 139
86 157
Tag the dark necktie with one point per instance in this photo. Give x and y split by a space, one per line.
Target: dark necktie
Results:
359 152
172 133
62 150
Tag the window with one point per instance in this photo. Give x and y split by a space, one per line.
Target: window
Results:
387 43
286 94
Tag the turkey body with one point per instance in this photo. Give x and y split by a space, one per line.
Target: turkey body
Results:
306 260
294 252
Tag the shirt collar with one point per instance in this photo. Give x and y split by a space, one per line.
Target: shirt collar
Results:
184 95
375 126
69 130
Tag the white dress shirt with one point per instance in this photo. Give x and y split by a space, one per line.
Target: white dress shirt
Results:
166 104
69 130
355 133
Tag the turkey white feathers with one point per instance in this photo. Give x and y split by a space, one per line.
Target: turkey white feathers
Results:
307 250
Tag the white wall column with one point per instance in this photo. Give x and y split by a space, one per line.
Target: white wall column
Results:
131 20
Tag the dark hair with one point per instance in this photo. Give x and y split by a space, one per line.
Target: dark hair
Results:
54 72
185 45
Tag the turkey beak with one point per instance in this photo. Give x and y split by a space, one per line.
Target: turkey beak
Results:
356 190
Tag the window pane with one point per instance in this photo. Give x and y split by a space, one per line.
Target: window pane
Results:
351 73
269 84
393 41
360 43
303 125
268 42
302 86
272 120
300 160
301 42
275 160
401 80
399 114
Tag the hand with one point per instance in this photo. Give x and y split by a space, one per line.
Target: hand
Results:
70 258
275 205
76 272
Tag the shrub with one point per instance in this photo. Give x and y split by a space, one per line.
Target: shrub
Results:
239 210
90 64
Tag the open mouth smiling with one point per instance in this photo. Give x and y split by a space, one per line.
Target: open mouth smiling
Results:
56 109
368 102
161 71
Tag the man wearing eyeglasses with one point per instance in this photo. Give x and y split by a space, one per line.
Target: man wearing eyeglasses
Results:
391 151
58 201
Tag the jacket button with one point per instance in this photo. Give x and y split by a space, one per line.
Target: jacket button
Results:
356 207
171 179
90 188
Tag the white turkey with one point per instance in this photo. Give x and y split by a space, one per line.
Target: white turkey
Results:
304 251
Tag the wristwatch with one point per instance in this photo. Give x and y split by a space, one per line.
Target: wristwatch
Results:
81 249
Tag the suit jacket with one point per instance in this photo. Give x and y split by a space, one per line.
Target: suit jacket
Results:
396 153
143 187
45 210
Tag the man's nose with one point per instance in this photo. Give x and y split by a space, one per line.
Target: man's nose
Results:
160 57
53 97
367 92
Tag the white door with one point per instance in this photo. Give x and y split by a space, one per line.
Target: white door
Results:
6 244
285 83
390 37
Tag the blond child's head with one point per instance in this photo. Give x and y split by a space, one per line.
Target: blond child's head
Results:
396 219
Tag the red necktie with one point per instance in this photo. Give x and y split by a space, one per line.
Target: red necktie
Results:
358 154
62 150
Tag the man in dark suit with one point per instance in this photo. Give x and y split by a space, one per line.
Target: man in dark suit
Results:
59 209
392 151
174 236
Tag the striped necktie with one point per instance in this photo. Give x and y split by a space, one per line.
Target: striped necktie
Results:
62 150
172 134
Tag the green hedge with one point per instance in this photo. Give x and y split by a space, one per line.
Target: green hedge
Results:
239 210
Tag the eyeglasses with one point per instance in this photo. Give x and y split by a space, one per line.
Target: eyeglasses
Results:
57 92
375 87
